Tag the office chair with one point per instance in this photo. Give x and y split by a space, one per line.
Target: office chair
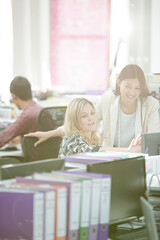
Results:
49 118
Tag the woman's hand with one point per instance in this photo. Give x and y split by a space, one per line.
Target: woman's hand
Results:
135 145
42 136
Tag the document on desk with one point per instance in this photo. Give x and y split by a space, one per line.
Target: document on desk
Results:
17 153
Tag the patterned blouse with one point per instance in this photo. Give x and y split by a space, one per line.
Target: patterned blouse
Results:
75 144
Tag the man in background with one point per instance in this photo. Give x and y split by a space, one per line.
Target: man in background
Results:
27 121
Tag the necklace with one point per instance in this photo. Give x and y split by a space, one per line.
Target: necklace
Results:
119 126
128 109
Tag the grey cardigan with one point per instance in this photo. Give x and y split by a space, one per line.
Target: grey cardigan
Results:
107 111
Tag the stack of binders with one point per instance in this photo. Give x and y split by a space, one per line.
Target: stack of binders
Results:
96 157
56 206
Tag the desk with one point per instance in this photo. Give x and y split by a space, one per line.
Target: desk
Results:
11 157
17 153
64 99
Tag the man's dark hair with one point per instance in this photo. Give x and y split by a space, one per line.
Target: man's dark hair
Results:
21 87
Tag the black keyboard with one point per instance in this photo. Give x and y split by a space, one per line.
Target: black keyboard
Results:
138 234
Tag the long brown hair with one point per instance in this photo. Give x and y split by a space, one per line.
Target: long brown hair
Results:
132 71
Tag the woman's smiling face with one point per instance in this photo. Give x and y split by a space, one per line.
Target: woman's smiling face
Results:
129 90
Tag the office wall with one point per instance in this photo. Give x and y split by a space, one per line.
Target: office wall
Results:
155 37
5 47
31 41
144 43
80 33
31 38
139 47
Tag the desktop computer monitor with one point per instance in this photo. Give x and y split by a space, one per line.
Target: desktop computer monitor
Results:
151 143
25 169
128 184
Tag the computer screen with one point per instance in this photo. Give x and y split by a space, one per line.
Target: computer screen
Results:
151 143
128 184
25 169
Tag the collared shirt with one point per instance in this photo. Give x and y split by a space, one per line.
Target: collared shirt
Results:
25 123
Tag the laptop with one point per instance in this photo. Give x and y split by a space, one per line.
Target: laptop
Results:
152 224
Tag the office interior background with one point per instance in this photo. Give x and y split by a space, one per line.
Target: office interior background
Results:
76 45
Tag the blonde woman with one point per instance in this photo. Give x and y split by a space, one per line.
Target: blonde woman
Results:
80 129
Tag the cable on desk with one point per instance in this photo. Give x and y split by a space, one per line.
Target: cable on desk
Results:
149 187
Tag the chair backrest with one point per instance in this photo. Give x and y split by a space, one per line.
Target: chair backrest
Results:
148 213
49 118
45 150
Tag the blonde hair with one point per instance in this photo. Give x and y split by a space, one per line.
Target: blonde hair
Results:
72 120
